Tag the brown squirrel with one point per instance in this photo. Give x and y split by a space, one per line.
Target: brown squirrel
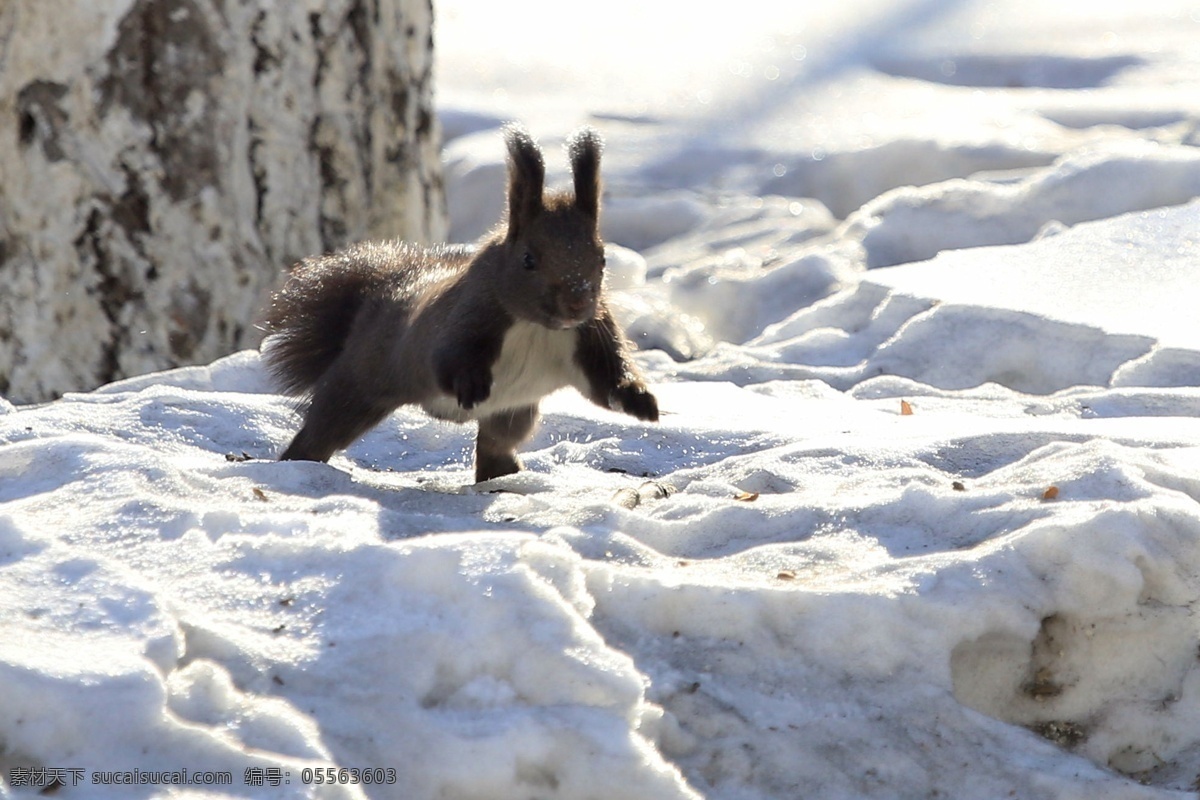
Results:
468 334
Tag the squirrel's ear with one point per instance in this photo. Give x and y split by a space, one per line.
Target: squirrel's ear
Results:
583 149
526 177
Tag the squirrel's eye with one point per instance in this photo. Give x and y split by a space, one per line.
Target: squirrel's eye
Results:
529 262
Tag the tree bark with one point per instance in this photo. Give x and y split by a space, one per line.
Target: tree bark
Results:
161 161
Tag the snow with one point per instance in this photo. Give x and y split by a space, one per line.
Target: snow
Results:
1150 253
913 285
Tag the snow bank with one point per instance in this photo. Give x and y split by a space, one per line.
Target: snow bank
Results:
279 622
1133 273
892 586
914 224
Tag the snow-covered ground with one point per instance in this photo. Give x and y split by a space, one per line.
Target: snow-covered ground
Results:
915 284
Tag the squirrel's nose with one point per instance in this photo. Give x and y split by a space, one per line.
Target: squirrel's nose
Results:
575 301
576 304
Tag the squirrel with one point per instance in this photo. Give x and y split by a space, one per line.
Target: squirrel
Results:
467 333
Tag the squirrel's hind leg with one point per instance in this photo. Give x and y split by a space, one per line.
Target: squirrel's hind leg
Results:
340 412
499 437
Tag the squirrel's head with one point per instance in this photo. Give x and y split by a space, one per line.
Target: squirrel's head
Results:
553 270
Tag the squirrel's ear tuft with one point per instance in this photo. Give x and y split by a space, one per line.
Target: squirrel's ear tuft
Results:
583 149
526 177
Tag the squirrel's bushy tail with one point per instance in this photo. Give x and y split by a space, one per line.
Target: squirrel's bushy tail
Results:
310 317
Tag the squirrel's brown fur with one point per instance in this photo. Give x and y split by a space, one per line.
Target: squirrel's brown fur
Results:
467 334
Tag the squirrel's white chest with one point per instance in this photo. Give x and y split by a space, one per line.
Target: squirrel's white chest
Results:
534 361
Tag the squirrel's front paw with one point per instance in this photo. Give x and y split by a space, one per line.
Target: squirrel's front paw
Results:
472 386
468 380
635 399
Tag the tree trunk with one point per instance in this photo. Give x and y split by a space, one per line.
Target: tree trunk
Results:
161 161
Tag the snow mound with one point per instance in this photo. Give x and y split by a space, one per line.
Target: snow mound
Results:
818 550
1131 273
915 224
271 630
1009 70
